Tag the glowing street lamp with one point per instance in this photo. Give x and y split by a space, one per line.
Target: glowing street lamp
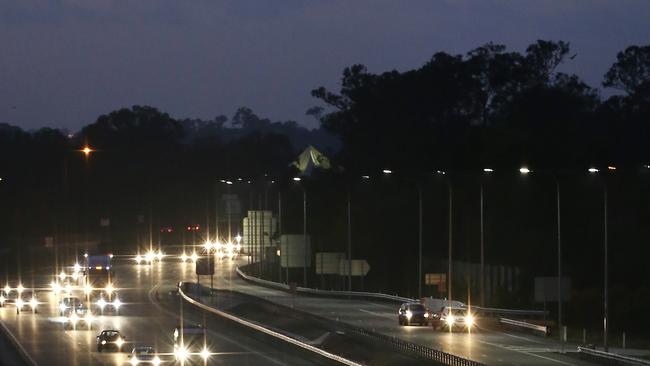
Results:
87 150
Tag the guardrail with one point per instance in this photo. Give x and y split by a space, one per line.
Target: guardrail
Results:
378 295
499 312
417 349
421 351
267 331
609 358
534 327
312 291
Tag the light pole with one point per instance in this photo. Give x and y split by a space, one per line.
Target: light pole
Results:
450 235
605 259
526 171
419 241
304 229
482 279
349 240
389 172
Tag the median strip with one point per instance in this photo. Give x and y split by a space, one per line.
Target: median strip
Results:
267 331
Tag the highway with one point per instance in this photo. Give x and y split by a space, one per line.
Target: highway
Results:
486 346
148 317
150 313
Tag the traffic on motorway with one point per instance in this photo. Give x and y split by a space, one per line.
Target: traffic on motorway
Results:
82 293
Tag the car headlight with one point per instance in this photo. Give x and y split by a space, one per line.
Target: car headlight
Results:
109 289
409 314
138 259
469 320
426 315
134 361
451 320
101 303
119 342
181 353
74 318
2 299
103 342
33 303
62 307
205 354
117 303
20 303
89 318
156 360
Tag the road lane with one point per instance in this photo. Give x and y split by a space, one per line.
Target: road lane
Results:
487 346
143 319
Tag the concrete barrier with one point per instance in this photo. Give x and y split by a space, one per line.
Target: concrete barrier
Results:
261 329
609 358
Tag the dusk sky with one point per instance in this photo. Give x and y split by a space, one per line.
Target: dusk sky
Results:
65 62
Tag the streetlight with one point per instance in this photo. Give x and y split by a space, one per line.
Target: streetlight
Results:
610 168
449 264
304 229
482 279
526 171
87 150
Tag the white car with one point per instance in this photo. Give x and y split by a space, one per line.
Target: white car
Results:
26 301
455 318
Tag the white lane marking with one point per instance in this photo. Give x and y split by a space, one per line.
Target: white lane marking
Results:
15 341
377 314
525 353
155 303
520 337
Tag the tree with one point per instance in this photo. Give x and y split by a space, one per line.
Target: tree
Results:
630 71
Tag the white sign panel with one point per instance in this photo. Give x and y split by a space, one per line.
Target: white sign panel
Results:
292 251
328 263
360 267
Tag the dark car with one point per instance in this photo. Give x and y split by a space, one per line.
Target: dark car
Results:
110 339
413 313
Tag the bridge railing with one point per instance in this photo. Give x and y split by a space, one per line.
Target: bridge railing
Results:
539 329
609 358
417 349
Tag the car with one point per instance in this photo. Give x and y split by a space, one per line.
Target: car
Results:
144 354
189 341
410 313
26 301
110 339
79 318
69 305
455 318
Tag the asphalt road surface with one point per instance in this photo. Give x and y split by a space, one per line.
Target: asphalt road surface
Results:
150 314
148 317
487 346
